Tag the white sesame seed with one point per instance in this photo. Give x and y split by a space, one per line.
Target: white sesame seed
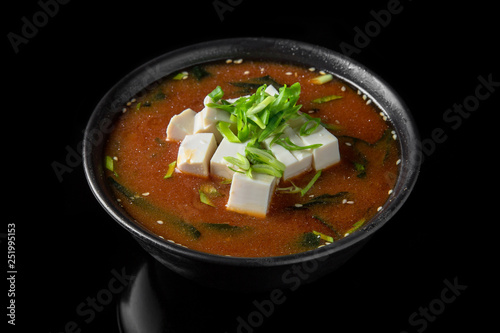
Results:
124 110
312 69
394 136
145 194
348 144
239 61
171 241
384 118
368 101
322 72
119 200
298 205
350 202
343 88
393 132
389 192
246 72
344 201
129 103
115 158
228 61
379 209
288 73
159 222
398 161
133 100
359 92
364 97
161 237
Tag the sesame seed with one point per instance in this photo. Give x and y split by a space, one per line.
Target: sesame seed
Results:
171 241
348 144
145 194
368 101
298 205
343 88
288 73
159 222
119 200
124 110
344 201
161 237
322 72
379 209
312 69
359 92
129 103
390 192
398 161
239 61
246 72
228 61
350 202
364 97
394 136
133 100
115 158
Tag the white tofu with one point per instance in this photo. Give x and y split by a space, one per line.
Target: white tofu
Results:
181 125
218 165
271 90
304 157
293 166
326 155
195 153
251 196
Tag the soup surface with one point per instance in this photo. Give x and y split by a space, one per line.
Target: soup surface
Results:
341 200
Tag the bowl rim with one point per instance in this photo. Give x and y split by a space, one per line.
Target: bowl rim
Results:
354 73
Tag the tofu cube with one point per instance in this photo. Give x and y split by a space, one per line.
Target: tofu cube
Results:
181 125
218 165
206 120
326 155
251 196
304 156
293 166
195 153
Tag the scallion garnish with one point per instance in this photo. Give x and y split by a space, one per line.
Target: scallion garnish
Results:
170 171
311 183
323 236
322 79
205 199
109 163
325 99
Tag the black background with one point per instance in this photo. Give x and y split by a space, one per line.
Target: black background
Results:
67 246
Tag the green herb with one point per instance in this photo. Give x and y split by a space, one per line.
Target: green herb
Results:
322 79
226 132
109 163
288 144
216 94
355 226
170 171
326 99
323 236
240 161
205 199
180 76
309 126
311 183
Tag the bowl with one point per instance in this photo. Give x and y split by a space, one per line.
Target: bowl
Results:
265 273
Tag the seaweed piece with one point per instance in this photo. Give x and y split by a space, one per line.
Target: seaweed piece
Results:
224 227
199 72
323 199
254 83
309 239
328 225
143 203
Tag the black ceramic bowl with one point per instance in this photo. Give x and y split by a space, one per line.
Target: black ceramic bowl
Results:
251 273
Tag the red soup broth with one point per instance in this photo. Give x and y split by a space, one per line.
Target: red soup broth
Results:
347 194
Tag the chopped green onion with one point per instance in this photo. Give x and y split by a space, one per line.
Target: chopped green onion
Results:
262 156
170 171
289 145
226 132
311 183
239 161
325 99
210 190
216 94
355 226
323 236
109 163
204 198
181 76
267 169
307 128
322 79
